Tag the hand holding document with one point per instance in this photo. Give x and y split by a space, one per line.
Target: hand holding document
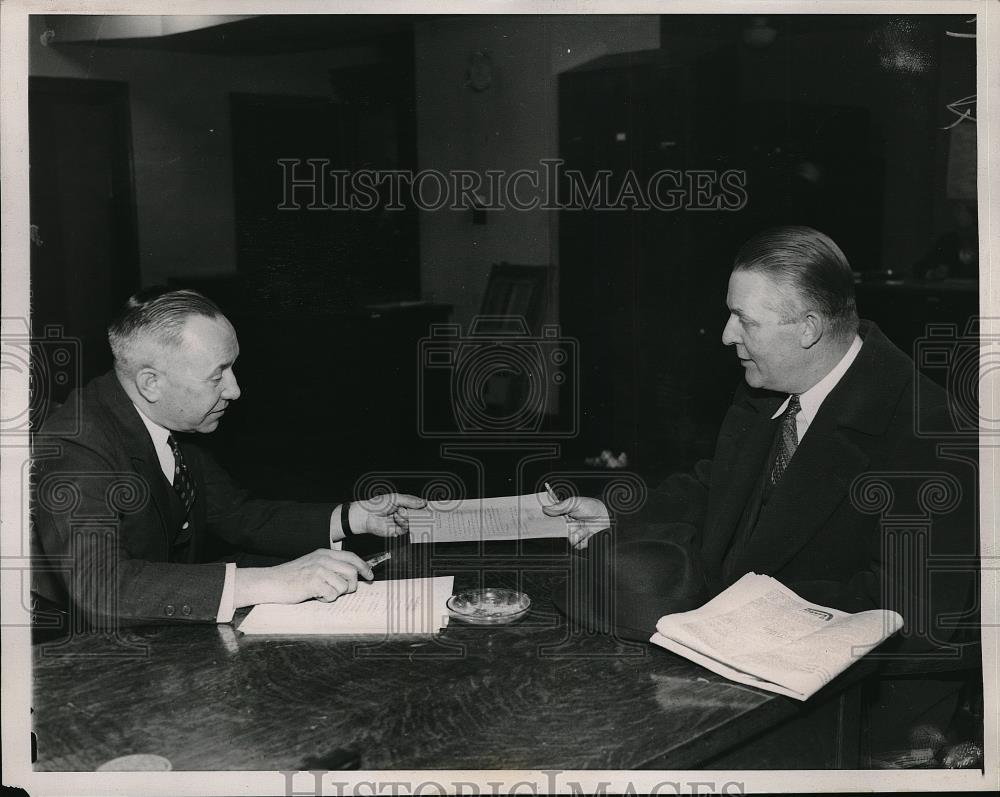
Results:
759 632
513 517
401 606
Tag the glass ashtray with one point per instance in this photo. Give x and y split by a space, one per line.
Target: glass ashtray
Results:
490 606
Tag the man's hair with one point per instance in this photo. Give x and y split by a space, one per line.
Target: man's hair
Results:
812 265
158 313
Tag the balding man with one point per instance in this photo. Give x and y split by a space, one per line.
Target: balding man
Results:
124 499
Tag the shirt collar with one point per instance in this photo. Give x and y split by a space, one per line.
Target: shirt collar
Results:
157 432
811 400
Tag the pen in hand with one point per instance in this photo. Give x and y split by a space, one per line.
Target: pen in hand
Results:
554 499
378 559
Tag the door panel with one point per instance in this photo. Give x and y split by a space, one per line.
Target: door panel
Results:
84 259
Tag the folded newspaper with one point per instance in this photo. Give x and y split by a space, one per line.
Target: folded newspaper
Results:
759 632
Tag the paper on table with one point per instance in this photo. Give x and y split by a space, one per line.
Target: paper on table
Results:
509 517
400 606
761 633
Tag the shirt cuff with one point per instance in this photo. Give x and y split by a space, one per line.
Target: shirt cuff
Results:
337 545
227 604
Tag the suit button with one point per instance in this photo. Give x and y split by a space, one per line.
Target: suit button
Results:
185 610
169 610
186 524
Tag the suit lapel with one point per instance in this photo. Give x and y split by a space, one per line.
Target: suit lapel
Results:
160 491
746 437
137 441
817 480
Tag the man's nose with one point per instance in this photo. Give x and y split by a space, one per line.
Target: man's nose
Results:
231 392
729 332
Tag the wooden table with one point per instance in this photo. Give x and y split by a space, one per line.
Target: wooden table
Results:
533 695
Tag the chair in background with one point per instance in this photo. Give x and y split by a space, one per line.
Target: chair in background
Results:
515 305
513 292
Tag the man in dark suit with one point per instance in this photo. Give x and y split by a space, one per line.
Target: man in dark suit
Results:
125 498
823 476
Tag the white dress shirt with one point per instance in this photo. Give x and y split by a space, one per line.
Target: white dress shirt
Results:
811 400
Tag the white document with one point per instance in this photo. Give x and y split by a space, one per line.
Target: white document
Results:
400 606
512 517
759 632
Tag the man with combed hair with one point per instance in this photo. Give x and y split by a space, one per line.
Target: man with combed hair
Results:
831 419
825 476
125 498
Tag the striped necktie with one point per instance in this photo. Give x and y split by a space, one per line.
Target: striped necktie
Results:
787 439
183 483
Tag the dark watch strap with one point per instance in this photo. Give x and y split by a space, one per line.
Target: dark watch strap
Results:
345 522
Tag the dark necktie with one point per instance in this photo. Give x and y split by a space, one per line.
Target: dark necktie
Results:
786 441
183 483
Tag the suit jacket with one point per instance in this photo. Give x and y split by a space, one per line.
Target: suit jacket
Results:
871 512
107 532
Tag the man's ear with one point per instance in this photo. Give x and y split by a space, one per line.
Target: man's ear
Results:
812 328
148 383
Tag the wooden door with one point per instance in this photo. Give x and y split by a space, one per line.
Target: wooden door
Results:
84 258
641 290
304 250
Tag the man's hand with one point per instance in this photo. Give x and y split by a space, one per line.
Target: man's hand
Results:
384 515
585 517
322 574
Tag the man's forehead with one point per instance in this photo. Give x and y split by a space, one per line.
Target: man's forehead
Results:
752 290
199 329
212 338
751 280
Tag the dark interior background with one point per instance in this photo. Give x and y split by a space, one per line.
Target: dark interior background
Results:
840 122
